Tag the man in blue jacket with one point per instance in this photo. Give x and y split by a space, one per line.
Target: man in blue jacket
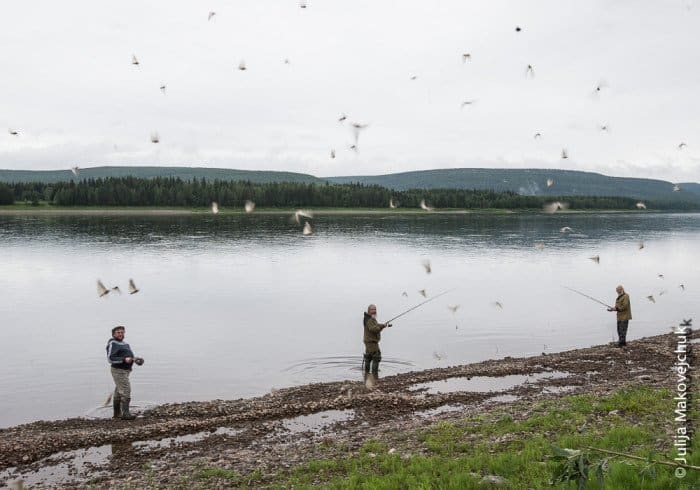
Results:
121 359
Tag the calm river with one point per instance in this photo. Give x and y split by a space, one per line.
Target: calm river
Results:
233 306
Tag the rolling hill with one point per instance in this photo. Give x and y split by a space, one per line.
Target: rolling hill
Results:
185 173
522 181
530 182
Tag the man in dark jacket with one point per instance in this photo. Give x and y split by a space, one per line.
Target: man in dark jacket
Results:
624 315
371 339
121 359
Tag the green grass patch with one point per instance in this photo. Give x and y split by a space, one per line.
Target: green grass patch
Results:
518 450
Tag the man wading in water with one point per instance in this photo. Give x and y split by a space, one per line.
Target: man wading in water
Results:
371 339
121 359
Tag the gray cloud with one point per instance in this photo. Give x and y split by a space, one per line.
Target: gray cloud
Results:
69 87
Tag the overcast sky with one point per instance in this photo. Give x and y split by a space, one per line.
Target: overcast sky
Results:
69 88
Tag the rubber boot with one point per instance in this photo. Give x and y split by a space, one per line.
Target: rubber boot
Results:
366 361
125 410
375 367
116 402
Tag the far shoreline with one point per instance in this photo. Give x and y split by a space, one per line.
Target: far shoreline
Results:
47 210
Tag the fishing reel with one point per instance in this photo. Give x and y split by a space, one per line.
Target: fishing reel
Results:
138 361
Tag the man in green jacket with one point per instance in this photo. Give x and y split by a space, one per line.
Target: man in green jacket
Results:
371 339
624 315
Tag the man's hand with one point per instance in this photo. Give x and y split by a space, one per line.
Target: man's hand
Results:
387 325
128 360
611 309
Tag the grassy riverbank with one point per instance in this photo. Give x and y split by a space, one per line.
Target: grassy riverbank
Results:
507 447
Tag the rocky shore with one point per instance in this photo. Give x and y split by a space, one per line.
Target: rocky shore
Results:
287 427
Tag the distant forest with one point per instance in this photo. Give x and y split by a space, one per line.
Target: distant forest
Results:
175 192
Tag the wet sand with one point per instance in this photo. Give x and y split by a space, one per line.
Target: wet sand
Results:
288 426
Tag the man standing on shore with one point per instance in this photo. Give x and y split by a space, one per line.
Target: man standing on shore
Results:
121 359
624 315
371 339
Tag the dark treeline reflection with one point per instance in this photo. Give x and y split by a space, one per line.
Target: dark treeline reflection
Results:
162 191
497 230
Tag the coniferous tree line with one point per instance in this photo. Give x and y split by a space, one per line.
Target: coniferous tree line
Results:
175 192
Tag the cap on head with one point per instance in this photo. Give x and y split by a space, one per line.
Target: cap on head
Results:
118 327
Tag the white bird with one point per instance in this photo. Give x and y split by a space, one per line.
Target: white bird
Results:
300 213
641 245
404 294
498 304
467 102
356 128
302 4
13 132
332 153
134 60
537 135
641 205
661 276
423 293
595 258
413 77
241 65
466 56
214 208
392 204
681 146
426 265
539 246
75 170
307 229
565 229
132 287
661 293
211 14
530 71
564 154
286 61
342 118
154 137
676 188
424 206
101 289
682 287
651 298
249 206
453 308
116 289
550 183
555 206
162 87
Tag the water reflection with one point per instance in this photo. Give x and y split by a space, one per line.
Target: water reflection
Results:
230 306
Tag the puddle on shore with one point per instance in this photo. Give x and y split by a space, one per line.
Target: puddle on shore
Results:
503 398
558 389
187 438
316 422
440 410
61 468
485 384
694 341
66 467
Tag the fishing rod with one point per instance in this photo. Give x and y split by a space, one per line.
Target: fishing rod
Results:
420 304
586 296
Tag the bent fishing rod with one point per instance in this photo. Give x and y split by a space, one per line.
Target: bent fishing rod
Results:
419 305
586 296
